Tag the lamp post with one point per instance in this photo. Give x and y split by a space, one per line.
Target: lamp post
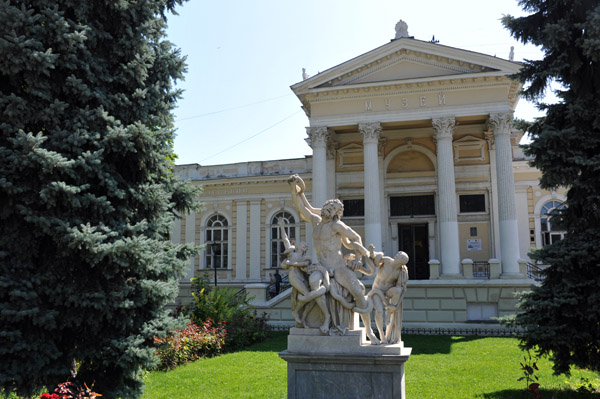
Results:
214 246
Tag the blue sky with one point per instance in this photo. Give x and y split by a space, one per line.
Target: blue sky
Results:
243 56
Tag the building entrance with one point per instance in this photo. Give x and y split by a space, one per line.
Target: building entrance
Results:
414 240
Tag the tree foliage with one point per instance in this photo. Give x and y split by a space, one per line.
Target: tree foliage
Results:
87 194
561 318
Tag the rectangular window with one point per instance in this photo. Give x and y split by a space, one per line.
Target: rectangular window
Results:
472 203
413 205
354 207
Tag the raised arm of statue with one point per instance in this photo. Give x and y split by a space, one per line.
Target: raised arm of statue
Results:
307 212
284 237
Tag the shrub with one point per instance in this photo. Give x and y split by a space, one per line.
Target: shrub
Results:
191 343
244 327
245 330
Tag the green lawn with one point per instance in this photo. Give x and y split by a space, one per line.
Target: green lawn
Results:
440 367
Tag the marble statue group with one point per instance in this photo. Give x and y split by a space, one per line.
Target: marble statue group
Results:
326 290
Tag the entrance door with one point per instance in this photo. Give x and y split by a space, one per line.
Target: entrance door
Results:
414 240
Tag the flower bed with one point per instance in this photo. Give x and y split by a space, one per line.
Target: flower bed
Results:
191 343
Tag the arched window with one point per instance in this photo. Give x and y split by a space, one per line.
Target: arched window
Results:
217 238
551 232
277 246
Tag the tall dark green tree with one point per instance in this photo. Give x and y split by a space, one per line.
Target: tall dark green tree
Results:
561 318
87 192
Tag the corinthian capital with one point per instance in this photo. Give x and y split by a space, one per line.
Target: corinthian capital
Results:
443 127
371 132
332 147
317 136
500 123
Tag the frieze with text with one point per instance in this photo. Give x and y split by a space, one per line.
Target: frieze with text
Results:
406 102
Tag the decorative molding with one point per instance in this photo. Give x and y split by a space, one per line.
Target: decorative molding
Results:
489 137
399 89
500 123
351 156
371 132
317 136
401 30
381 147
305 106
443 127
469 143
332 147
403 55
412 147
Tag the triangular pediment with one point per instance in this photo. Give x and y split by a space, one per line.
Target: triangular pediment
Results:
406 67
407 60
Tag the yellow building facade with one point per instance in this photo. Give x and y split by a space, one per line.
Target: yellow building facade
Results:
416 139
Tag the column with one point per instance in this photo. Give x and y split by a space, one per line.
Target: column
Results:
255 237
330 167
507 215
385 229
371 133
317 140
176 230
190 237
449 245
241 240
522 206
495 229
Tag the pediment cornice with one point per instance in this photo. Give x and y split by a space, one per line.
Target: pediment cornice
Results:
406 66
409 66
442 66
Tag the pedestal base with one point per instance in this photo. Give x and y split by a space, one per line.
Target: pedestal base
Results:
343 367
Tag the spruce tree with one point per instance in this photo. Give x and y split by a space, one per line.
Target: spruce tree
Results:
87 193
561 318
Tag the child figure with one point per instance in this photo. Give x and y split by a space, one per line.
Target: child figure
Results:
389 288
295 254
300 269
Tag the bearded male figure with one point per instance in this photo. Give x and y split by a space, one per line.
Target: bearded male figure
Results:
329 234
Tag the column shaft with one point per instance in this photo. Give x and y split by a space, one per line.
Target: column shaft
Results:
190 237
241 241
255 240
371 133
317 139
449 244
507 215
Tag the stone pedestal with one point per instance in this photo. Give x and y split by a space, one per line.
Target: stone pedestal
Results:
343 367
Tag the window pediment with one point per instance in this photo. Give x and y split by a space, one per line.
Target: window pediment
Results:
350 156
469 148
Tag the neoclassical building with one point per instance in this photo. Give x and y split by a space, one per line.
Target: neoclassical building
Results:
416 140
